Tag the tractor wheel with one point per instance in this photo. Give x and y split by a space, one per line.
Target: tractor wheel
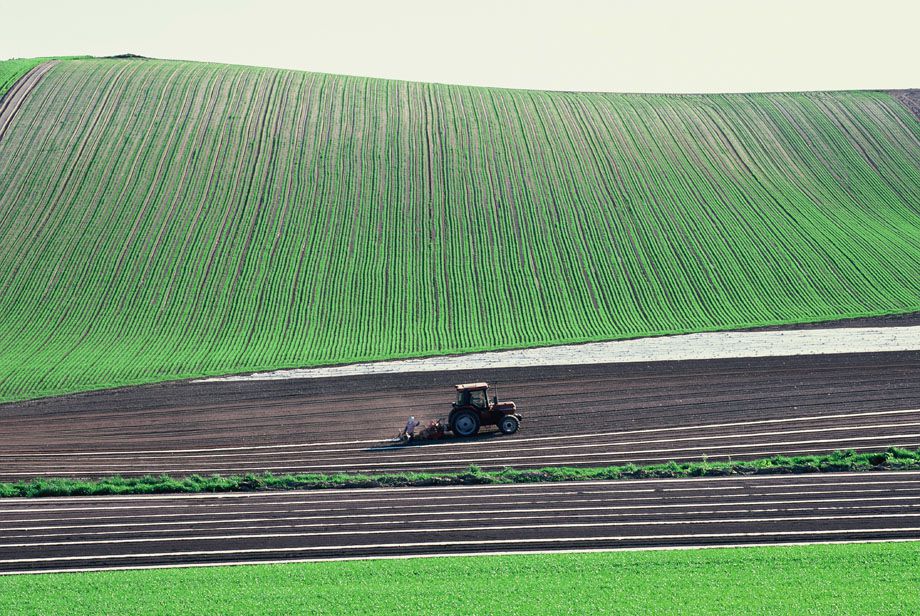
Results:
466 423
509 424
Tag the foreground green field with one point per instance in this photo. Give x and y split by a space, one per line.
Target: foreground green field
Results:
880 578
161 220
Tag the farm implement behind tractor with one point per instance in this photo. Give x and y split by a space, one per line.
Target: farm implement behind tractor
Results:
468 414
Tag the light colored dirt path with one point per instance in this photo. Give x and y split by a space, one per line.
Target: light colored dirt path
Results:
715 345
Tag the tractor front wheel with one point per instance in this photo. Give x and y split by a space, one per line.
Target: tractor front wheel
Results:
466 423
509 424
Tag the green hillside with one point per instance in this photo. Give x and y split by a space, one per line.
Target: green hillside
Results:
12 70
161 220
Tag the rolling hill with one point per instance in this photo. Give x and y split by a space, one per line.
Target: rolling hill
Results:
163 220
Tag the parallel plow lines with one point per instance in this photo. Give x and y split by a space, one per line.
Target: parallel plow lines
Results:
573 416
113 532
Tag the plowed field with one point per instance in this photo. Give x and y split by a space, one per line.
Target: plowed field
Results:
124 532
573 416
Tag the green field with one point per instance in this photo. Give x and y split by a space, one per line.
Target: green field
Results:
12 70
161 220
821 579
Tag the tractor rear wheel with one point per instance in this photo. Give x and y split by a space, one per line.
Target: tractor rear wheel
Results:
466 423
509 424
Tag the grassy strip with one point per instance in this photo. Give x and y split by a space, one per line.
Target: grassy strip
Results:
818 579
892 459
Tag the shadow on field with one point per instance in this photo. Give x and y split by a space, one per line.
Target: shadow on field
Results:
450 438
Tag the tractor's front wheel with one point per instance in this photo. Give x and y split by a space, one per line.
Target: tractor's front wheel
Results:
466 423
509 424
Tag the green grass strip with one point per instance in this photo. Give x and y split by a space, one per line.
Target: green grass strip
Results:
839 461
879 578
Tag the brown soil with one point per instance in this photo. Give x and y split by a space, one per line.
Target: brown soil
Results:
573 415
910 99
105 532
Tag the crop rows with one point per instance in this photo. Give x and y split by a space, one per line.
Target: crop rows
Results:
161 220
12 70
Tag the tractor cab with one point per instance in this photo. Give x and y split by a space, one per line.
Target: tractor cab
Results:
473 410
478 397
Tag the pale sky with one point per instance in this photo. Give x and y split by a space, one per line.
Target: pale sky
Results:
612 45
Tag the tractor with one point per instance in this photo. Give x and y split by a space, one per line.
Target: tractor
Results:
472 410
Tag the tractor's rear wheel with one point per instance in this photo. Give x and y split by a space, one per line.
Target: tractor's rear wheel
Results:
466 423
509 424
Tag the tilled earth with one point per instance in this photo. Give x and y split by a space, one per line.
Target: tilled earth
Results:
136 531
589 415
573 415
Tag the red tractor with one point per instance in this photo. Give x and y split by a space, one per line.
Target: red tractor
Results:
472 410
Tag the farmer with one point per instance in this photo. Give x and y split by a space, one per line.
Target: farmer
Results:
409 430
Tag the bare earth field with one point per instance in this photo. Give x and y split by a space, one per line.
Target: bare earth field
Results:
588 415
910 99
591 415
142 531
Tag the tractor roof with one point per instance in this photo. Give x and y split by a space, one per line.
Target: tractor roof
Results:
472 386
